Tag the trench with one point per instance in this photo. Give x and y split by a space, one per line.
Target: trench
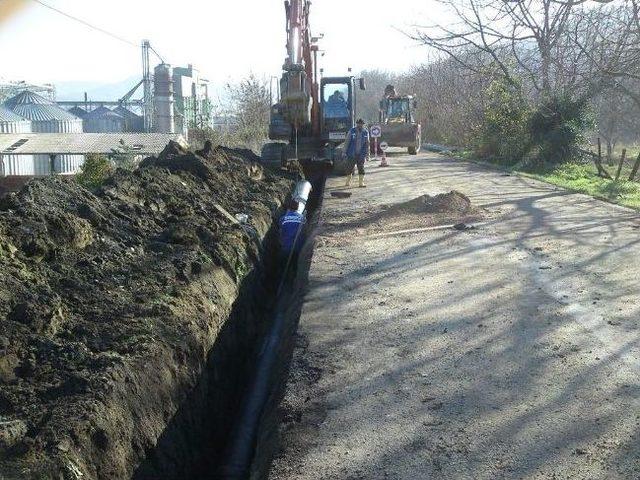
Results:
227 427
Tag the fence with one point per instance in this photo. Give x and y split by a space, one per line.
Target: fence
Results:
602 171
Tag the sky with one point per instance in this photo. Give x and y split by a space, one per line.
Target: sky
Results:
224 39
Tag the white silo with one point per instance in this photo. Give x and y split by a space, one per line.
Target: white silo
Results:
15 164
103 120
47 117
163 99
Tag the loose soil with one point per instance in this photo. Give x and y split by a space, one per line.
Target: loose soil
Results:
452 204
110 302
452 208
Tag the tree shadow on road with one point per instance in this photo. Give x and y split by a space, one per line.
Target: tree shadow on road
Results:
508 352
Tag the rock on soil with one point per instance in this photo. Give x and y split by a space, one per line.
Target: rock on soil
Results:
110 301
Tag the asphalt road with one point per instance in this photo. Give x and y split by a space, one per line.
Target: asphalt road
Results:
509 351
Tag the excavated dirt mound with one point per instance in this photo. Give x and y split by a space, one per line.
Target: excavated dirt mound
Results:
452 208
111 300
452 203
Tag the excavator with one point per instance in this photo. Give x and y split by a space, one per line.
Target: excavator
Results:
313 115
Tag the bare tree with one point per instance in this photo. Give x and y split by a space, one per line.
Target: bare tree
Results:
617 119
607 41
369 100
249 104
450 100
555 45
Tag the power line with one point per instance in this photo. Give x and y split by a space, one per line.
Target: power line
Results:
87 24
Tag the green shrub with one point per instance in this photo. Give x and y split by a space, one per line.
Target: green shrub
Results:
504 135
95 170
557 129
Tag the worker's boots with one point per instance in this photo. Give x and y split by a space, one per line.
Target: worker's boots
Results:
362 184
348 182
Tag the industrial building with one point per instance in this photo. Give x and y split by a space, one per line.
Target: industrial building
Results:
192 102
12 123
164 114
132 121
18 149
178 101
181 99
174 101
108 144
103 120
78 112
46 117
10 89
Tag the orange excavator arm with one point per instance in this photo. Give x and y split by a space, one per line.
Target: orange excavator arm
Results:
299 83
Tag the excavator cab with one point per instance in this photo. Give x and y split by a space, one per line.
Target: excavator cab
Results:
397 109
337 101
337 107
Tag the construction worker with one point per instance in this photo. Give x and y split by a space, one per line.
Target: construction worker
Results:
357 148
291 235
336 106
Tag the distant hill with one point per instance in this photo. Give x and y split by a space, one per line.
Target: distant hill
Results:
96 90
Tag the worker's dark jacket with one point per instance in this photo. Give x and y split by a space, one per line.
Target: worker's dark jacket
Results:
351 143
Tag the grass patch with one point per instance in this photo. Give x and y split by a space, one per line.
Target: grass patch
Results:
578 177
583 178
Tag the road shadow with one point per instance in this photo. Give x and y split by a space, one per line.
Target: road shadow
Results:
518 359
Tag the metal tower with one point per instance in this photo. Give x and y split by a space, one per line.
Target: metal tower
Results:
147 102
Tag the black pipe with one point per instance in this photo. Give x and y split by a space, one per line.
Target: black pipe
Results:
239 455
237 465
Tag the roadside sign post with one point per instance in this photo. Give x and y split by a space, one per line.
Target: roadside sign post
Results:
376 132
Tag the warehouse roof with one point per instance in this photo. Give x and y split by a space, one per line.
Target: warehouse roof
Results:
82 143
78 112
101 112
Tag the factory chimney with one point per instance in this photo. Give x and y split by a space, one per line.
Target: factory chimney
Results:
164 120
